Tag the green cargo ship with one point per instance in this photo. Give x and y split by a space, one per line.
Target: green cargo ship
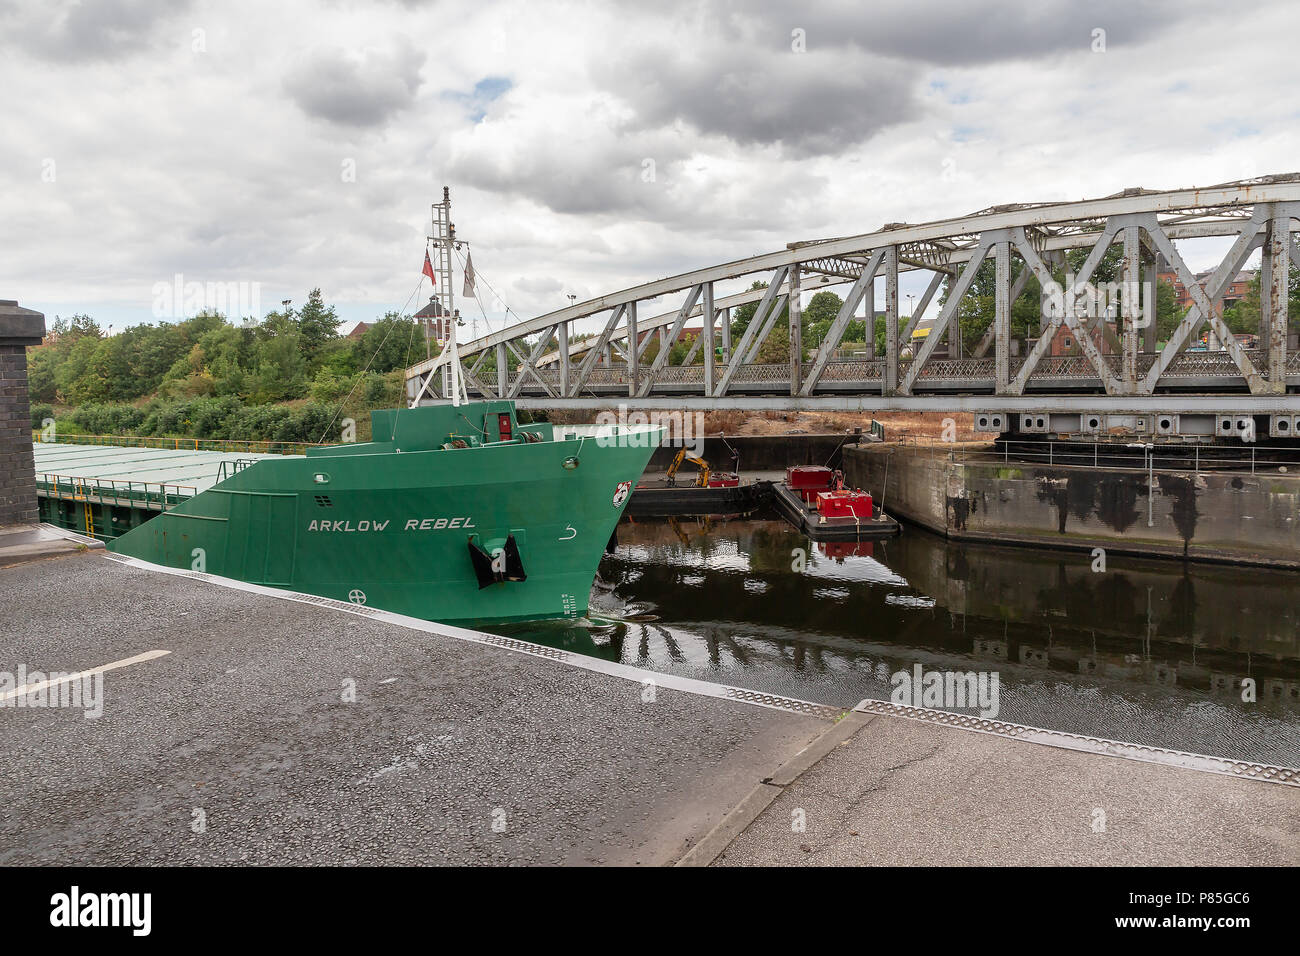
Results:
460 515
454 512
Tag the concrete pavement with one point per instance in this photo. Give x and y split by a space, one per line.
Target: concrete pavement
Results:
35 542
905 792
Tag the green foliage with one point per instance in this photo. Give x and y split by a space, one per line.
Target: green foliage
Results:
316 324
395 342
40 413
821 310
205 377
100 419
330 386
208 417
41 367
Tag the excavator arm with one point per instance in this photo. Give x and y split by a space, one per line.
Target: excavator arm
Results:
701 481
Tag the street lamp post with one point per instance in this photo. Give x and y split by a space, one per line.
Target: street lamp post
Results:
1148 452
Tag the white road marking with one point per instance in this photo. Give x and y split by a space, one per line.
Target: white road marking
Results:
126 662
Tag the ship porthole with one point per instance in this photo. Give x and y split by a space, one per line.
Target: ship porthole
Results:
571 463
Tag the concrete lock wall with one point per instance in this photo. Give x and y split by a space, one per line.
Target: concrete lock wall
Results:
19 328
1215 516
762 452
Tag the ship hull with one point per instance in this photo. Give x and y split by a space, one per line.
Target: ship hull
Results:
394 530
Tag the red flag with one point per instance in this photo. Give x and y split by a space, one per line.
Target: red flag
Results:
428 268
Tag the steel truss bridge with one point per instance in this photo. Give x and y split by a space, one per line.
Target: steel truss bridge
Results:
1126 375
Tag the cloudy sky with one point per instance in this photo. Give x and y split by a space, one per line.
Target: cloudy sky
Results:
298 144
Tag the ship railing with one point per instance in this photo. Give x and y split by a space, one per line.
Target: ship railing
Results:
226 445
1126 452
152 495
231 467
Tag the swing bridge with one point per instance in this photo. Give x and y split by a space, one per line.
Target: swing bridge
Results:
1116 374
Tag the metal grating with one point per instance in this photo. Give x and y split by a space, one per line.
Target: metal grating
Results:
786 703
537 650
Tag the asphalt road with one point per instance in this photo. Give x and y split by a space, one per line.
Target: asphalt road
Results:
238 747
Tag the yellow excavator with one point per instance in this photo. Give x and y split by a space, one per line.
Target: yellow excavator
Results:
701 480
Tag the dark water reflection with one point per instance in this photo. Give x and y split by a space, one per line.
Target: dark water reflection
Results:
1150 652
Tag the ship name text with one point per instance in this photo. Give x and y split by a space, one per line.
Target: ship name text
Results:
412 524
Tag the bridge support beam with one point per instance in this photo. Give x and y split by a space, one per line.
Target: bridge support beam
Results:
1131 308
796 332
1274 288
709 339
769 323
891 319
562 331
1151 289
633 352
1174 404
1002 316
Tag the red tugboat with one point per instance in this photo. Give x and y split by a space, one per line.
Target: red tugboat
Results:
815 501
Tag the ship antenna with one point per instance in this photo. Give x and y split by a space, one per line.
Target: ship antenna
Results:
444 240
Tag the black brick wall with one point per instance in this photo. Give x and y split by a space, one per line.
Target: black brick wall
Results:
17 469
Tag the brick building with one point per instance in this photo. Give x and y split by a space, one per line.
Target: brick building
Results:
1065 342
1235 292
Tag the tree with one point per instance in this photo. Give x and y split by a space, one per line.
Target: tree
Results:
822 307
42 364
393 342
316 324
280 369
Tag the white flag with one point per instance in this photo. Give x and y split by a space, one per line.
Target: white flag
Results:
468 291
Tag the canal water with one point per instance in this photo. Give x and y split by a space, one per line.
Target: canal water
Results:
1145 651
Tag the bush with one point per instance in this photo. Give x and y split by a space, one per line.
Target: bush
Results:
108 419
40 413
211 417
256 422
163 418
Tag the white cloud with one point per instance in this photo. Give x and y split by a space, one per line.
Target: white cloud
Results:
229 164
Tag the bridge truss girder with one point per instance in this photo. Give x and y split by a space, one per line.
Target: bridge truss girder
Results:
1021 241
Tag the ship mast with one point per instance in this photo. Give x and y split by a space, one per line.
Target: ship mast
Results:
443 238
